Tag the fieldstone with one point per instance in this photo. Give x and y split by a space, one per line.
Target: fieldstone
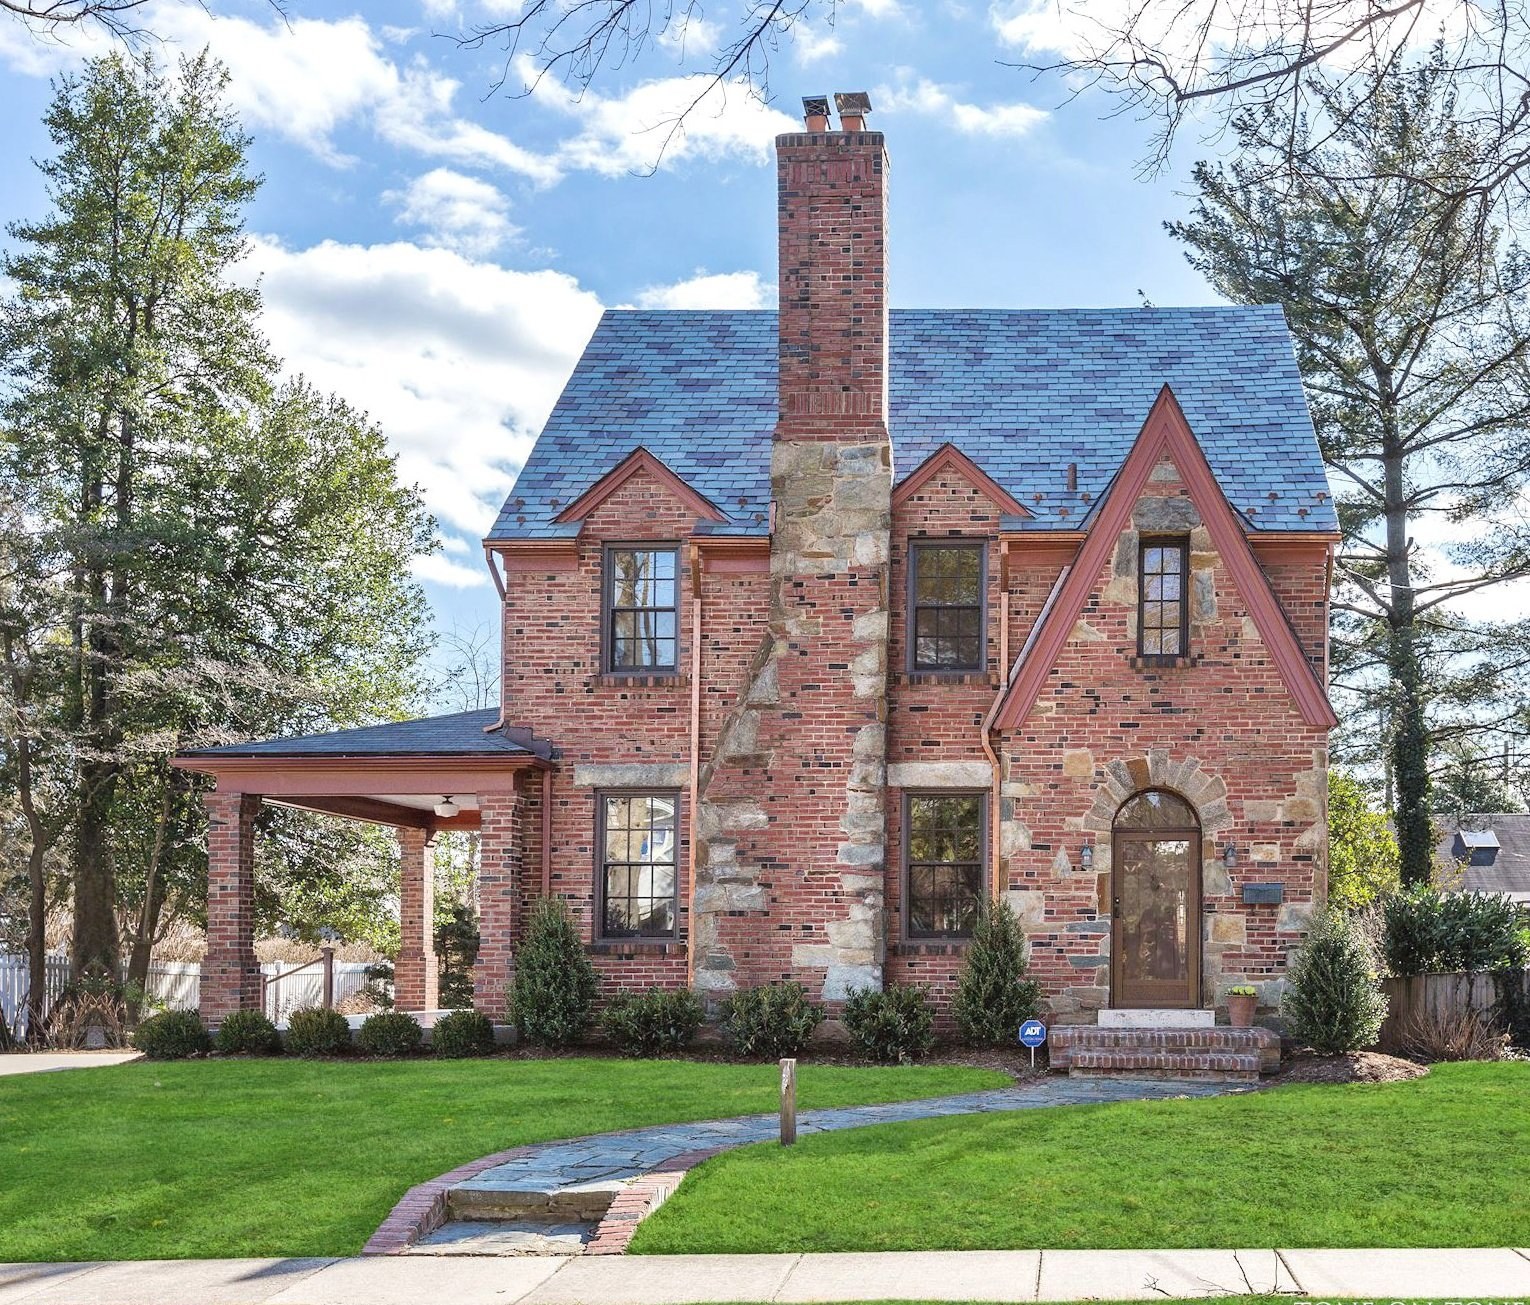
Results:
1264 853
1078 763
940 774
638 774
1156 514
1299 810
1294 917
1228 927
1261 812
842 980
1029 905
871 854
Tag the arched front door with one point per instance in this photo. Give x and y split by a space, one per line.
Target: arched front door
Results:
1155 934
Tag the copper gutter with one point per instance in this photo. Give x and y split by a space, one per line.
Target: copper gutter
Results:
995 796
547 776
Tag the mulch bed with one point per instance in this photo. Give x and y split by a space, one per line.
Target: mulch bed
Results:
1348 1067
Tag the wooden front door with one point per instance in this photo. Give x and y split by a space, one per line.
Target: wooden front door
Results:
1155 936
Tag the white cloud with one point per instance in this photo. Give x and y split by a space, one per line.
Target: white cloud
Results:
305 79
691 36
711 290
459 361
877 8
639 130
812 43
930 98
443 571
455 211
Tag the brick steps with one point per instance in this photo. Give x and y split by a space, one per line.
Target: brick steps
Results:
1213 1052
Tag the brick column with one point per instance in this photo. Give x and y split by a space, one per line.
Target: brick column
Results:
501 859
416 977
230 973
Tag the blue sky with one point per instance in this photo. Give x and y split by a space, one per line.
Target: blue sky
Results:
438 254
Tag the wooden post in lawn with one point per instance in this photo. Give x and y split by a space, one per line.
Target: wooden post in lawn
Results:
328 955
788 1102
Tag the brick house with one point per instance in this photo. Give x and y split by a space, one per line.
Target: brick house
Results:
822 626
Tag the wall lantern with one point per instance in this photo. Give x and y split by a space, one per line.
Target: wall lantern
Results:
1230 855
446 808
1086 856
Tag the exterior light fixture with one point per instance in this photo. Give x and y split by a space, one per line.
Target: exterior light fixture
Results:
1086 856
446 807
1230 855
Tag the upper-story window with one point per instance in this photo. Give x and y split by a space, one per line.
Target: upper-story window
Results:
641 609
946 607
1162 624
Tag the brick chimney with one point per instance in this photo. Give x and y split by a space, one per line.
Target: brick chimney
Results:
832 208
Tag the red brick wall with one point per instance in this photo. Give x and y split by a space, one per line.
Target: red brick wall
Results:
230 973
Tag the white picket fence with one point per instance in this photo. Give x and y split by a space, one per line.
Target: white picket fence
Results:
178 984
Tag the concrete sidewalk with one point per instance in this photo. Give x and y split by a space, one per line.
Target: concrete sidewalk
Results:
47 1062
689 1279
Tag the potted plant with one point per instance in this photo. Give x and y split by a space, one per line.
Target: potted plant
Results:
1240 1006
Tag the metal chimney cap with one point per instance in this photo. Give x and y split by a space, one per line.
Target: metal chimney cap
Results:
856 103
815 106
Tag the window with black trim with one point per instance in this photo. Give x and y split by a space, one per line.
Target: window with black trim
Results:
641 616
637 838
946 607
943 863
1162 624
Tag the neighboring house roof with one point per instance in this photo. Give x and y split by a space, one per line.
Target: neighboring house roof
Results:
1165 433
1021 393
1492 849
461 734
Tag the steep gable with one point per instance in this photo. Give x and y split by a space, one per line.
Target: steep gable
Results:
948 459
1164 435
639 462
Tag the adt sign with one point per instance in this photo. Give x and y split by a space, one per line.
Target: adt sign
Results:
1032 1034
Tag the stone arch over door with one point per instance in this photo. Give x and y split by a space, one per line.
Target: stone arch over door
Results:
1206 793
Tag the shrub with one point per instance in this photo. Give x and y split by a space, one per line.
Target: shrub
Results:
993 996
390 1033
653 1022
1333 1001
1424 931
894 1025
316 1031
771 1021
461 1034
247 1032
172 1035
553 994
1512 1009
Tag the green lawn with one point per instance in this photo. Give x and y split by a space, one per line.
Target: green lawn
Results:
276 1157
1438 1161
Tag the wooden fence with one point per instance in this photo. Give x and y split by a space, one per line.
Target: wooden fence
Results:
178 985
1436 995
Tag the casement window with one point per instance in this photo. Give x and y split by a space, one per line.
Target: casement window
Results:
946 607
942 863
641 612
1162 609
637 840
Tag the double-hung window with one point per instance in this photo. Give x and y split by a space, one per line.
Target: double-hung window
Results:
637 839
943 863
641 616
946 607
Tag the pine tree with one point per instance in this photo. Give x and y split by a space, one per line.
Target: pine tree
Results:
553 995
993 996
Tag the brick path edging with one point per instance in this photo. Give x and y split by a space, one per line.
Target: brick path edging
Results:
641 1198
423 1207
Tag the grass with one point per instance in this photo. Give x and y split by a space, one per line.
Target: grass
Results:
1438 1161
228 1158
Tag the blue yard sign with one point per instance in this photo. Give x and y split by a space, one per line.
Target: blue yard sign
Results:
1032 1034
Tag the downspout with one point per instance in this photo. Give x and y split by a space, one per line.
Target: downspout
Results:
995 796
499 585
547 778
690 858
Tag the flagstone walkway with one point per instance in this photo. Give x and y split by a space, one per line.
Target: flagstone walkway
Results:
588 1194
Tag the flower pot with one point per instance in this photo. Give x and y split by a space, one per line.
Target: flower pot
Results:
1240 1010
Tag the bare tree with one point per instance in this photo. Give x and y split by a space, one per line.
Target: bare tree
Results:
1212 64
117 17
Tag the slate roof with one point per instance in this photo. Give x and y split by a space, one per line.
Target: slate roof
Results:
459 734
1022 393
1501 865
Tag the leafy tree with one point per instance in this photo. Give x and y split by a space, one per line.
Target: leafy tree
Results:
1468 781
1362 849
207 553
1409 316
